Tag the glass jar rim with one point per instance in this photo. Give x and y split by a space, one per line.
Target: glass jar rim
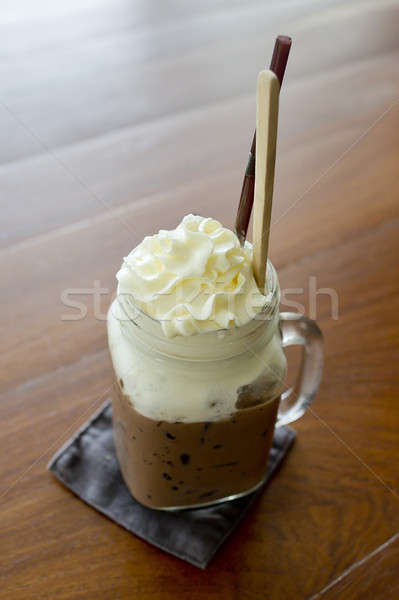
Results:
217 343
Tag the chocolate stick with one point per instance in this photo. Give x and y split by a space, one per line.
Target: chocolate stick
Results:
278 64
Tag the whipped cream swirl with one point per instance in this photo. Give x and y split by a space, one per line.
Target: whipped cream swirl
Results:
193 279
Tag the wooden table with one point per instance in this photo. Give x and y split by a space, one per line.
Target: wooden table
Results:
117 118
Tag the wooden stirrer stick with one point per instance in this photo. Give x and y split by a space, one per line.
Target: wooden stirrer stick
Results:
278 64
267 96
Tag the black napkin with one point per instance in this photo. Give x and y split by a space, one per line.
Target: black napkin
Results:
87 464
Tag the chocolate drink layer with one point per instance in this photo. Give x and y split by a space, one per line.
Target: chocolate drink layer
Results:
168 464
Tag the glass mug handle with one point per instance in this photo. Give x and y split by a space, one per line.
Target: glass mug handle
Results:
298 330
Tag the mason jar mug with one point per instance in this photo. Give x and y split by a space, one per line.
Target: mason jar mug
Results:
194 416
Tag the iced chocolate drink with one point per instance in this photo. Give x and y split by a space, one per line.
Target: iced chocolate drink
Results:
199 367
174 464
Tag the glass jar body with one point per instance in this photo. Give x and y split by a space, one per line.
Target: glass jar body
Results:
194 417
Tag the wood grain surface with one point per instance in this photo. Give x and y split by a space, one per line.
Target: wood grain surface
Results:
117 118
